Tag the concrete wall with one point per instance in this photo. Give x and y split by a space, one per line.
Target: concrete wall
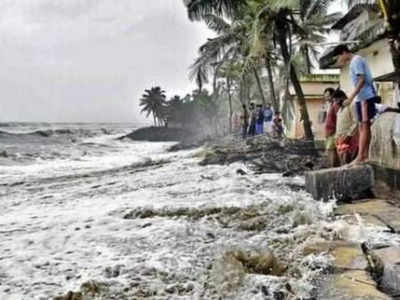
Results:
315 107
385 141
313 92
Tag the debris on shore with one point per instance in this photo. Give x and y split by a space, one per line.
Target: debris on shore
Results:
265 155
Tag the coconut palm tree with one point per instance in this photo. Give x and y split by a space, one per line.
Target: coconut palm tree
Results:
153 102
284 22
287 23
390 10
197 9
229 47
175 109
221 56
313 23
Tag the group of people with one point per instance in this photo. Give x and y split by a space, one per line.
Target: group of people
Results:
259 119
349 117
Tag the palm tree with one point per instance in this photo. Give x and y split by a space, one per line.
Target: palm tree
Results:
175 109
153 102
284 22
219 56
313 24
225 56
287 22
225 47
197 9
390 10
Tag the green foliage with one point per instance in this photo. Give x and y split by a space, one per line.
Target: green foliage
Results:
197 9
153 103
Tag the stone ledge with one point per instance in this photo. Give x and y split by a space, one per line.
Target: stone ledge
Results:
348 256
379 209
341 183
387 269
387 182
352 285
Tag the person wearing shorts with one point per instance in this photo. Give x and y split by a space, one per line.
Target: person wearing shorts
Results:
364 95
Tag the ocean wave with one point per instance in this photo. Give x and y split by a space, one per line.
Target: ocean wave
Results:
49 133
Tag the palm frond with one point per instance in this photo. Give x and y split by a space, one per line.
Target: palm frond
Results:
216 23
197 9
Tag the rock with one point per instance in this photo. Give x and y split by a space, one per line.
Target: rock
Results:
288 174
240 172
92 287
170 289
380 209
228 273
4 154
365 220
343 183
351 285
347 256
70 296
387 269
212 157
254 224
260 263
159 134
210 235
112 272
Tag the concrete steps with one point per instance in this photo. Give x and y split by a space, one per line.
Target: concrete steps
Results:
370 194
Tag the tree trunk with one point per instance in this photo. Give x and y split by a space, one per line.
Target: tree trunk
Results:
248 87
241 92
396 57
302 103
228 84
260 89
272 86
296 85
308 61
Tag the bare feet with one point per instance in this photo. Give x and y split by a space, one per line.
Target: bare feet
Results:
356 162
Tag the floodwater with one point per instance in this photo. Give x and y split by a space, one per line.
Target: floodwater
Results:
129 220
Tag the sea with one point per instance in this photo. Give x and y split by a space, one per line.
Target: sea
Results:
83 210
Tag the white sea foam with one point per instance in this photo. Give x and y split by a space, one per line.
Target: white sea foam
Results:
64 224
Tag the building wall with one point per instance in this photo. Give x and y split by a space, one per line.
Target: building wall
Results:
380 62
315 105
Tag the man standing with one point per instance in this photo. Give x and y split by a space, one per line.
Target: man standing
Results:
260 120
245 121
268 116
253 119
363 92
330 129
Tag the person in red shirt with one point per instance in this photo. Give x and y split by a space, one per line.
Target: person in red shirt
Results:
330 130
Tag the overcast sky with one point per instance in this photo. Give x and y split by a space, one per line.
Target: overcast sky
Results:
90 60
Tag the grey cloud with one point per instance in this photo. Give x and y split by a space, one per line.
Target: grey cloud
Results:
92 62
